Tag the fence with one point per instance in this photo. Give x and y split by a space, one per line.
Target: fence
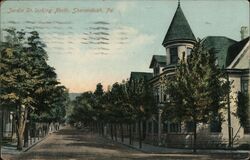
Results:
173 140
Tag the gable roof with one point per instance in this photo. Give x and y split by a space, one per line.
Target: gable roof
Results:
221 45
160 59
234 50
141 75
179 29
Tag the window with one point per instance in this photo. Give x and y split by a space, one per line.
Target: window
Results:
244 86
149 126
247 127
165 127
216 62
189 50
157 97
173 55
215 124
175 127
164 97
156 70
244 89
190 126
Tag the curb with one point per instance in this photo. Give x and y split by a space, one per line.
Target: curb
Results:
130 146
233 152
127 145
34 144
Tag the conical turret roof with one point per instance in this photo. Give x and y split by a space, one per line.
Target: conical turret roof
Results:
179 29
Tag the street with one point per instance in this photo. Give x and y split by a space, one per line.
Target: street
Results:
73 144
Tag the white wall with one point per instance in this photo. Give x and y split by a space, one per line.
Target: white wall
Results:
181 47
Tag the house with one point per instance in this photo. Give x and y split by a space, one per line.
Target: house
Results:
7 122
232 56
140 76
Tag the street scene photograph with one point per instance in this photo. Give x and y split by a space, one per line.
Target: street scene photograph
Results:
124 80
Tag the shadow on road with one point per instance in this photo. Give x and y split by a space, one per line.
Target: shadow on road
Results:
73 144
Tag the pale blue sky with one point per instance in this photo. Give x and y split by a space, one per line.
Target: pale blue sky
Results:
104 40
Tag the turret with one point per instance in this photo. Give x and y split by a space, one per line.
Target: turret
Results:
179 38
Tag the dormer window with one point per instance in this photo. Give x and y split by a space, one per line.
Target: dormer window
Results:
173 55
156 70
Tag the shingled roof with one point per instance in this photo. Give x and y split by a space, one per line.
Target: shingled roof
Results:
179 29
234 50
160 59
221 46
141 75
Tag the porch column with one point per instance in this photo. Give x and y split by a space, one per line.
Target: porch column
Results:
159 127
152 129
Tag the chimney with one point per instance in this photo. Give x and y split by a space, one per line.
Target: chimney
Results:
244 32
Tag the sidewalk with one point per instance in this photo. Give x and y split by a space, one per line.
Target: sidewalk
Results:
9 150
148 148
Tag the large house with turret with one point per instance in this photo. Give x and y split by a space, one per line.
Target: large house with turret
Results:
231 56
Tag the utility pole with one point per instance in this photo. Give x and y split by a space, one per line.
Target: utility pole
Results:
229 118
1 133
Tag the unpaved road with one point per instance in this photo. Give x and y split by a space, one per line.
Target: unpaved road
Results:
72 144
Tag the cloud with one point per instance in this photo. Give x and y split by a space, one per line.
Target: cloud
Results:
126 38
81 66
124 6
73 48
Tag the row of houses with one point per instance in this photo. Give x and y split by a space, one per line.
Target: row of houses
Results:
232 56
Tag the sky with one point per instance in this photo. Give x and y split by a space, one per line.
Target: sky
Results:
102 41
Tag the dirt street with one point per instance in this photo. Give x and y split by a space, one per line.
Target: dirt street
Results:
72 144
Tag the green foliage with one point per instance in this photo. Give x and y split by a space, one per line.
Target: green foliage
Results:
124 103
242 109
28 84
83 108
99 90
141 97
118 108
26 78
198 89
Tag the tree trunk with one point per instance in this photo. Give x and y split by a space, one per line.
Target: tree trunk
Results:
92 127
21 122
111 131
140 136
102 128
122 135
115 133
20 142
130 134
98 128
26 135
195 136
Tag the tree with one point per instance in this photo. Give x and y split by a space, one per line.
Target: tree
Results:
198 89
99 107
56 104
83 110
242 109
17 80
26 78
141 98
